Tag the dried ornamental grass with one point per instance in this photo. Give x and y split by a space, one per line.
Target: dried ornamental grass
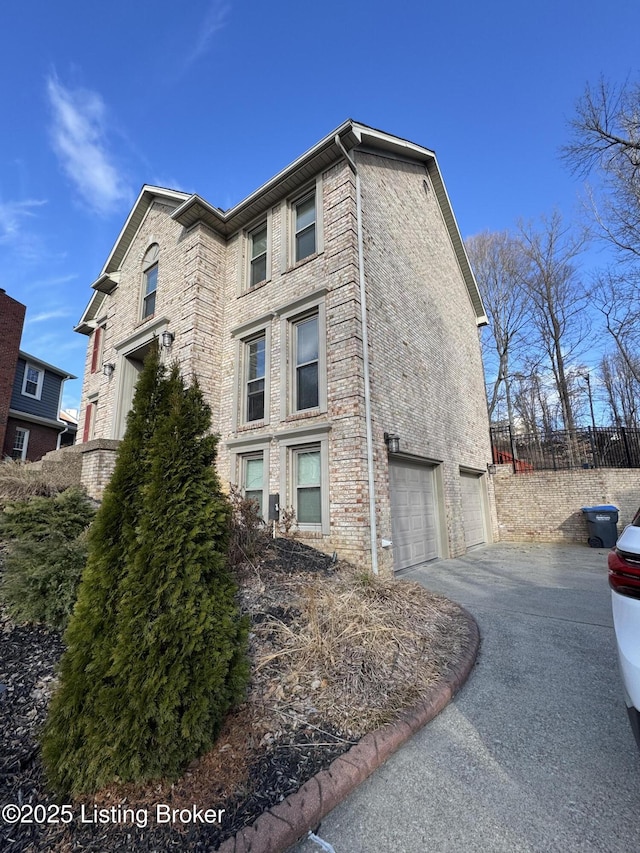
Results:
19 481
362 648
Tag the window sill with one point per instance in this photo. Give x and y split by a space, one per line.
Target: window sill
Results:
309 532
251 427
145 320
255 287
305 415
304 261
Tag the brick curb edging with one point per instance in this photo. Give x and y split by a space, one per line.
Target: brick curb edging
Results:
283 825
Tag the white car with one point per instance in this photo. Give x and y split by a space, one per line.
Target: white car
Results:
624 580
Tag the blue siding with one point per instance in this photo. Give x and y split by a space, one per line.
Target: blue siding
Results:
47 405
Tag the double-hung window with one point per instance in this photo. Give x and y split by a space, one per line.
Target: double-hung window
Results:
303 385
308 484
253 478
251 382
32 382
306 347
304 475
302 219
150 281
20 444
255 364
250 469
304 227
258 255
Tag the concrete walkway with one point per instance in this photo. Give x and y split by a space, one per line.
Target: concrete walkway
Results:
535 753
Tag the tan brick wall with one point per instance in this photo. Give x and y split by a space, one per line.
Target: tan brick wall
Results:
545 506
335 268
98 462
424 344
426 371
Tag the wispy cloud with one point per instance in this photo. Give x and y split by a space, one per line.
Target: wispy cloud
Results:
48 282
79 139
54 314
12 216
213 22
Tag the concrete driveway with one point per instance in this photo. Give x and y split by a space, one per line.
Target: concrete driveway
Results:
535 753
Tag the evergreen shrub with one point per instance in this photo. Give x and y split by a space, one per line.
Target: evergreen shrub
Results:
156 647
46 553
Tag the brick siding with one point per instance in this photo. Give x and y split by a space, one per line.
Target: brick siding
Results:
419 314
545 506
42 439
11 322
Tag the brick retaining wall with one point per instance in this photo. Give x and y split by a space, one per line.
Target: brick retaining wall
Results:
545 506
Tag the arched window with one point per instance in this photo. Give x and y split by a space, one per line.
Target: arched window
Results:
150 280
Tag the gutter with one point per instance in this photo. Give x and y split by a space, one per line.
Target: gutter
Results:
365 348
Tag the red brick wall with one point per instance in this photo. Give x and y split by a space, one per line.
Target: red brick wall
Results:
11 321
42 439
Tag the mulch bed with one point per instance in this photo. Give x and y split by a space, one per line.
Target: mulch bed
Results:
278 766
335 655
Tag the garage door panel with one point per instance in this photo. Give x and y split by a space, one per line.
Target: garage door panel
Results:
413 514
472 509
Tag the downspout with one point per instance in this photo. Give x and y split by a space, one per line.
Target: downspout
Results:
60 434
365 348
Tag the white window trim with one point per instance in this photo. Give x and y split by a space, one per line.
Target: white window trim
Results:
288 492
314 304
239 454
25 443
243 337
38 394
245 244
288 258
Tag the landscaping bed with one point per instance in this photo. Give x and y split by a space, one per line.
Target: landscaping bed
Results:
335 654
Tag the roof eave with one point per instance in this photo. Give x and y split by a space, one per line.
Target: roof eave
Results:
147 195
295 174
32 359
456 240
88 322
107 282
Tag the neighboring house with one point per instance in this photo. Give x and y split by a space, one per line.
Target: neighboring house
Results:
30 392
329 313
67 437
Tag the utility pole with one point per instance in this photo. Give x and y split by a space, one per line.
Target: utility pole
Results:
587 379
594 439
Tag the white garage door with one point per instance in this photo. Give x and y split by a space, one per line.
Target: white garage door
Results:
413 514
472 510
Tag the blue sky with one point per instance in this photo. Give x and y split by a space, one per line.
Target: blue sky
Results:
216 97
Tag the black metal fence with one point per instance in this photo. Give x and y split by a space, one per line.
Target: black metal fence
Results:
603 447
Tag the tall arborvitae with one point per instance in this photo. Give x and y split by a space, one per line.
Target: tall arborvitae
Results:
169 656
90 636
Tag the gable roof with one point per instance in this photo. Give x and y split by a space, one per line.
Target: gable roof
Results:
38 362
192 208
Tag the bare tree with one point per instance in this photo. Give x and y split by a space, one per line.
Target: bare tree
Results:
606 141
616 293
622 389
558 299
499 265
